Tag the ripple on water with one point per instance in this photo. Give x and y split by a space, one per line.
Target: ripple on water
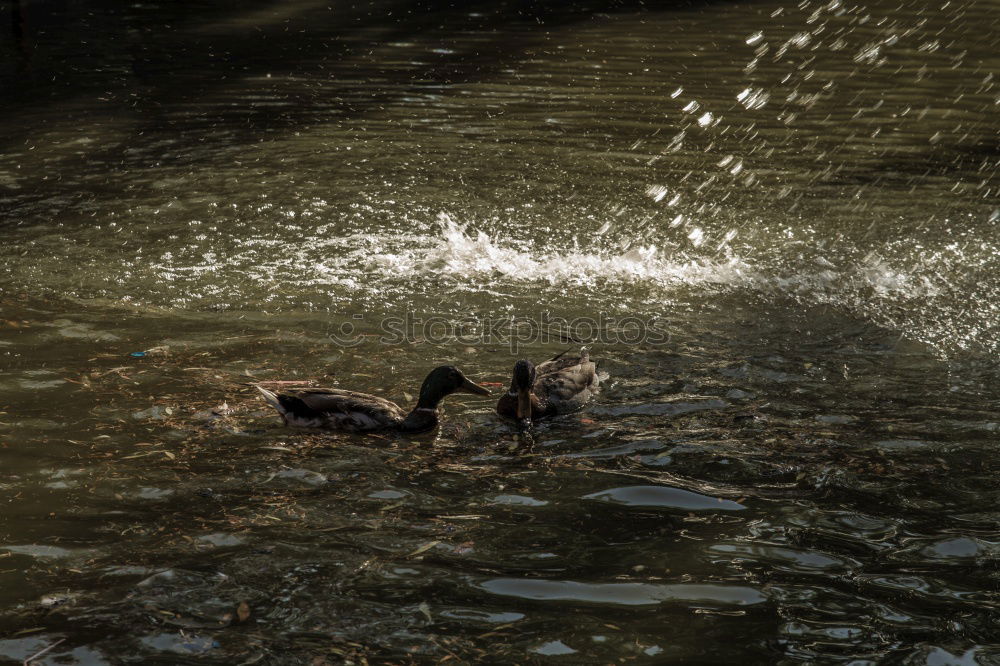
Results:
953 655
180 644
863 529
659 408
67 328
926 589
787 559
293 477
478 615
664 497
39 383
18 650
152 494
958 550
517 500
553 649
221 540
630 448
623 594
388 494
45 552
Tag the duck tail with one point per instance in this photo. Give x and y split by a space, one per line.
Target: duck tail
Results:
271 398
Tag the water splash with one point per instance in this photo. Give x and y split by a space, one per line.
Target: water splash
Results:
474 255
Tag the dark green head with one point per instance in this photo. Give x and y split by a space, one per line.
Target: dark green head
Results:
444 381
520 384
523 376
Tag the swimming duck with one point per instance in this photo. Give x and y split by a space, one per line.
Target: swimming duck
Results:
334 409
559 385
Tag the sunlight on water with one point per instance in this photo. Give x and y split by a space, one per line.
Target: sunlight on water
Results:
314 264
474 256
890 287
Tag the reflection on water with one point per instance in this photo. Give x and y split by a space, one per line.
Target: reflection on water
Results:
805 195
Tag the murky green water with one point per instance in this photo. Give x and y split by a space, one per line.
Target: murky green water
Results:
797 203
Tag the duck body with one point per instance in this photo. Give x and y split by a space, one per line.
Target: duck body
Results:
350 411
334 409
557 386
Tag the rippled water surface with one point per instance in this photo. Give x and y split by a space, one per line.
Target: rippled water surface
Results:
774 224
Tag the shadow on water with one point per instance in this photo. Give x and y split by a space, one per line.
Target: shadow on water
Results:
169 69
177 53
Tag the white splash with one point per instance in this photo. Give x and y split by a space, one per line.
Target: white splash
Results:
474 255
322 266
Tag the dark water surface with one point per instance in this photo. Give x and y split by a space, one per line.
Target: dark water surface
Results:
799 202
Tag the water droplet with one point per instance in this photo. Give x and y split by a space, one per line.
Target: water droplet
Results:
657 192
752 98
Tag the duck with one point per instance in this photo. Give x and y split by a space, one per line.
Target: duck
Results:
349 411
560 385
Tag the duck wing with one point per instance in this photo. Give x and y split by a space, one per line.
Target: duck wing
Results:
339 410
566 383
560 362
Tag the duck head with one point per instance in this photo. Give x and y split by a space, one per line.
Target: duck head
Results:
444 381
520 384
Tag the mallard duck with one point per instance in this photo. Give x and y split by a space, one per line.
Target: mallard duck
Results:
559 385
334 409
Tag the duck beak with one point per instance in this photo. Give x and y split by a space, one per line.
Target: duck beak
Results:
523 404
469 387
